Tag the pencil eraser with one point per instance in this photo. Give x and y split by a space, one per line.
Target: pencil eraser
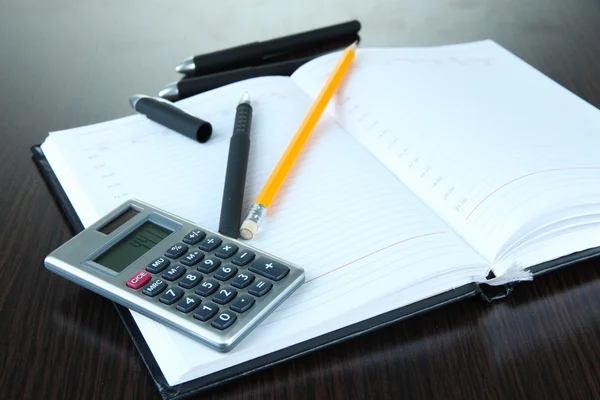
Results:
248 229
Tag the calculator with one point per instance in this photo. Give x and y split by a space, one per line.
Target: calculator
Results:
204 284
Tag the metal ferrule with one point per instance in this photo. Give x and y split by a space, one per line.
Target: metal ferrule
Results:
256 213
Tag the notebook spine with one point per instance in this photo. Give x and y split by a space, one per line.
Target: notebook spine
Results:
55 188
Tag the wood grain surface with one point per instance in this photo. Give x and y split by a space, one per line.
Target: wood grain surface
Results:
65 63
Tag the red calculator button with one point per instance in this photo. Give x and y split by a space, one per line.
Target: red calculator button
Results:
139 280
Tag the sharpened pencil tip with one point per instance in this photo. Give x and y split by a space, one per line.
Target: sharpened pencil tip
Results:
245 98
353 46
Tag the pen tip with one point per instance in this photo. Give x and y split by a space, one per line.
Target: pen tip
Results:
186 66
134 99
170 92
245 98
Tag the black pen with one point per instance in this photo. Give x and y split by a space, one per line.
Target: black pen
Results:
169 115
235 175
255 53
192 86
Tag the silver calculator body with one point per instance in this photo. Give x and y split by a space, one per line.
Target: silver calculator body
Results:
113 257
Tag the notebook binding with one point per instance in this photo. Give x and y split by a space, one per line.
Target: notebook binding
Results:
491 293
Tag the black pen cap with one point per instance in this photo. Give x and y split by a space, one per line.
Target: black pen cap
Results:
169 115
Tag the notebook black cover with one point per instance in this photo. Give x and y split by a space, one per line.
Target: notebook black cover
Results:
195 386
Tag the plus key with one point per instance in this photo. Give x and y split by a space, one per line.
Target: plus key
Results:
269 269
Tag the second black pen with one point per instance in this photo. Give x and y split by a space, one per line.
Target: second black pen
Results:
235 175
192 86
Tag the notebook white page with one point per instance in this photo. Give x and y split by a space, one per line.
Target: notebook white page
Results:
360 235
493 146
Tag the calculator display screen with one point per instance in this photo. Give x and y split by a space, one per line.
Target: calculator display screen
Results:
132 246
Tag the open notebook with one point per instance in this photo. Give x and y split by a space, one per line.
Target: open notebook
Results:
432 168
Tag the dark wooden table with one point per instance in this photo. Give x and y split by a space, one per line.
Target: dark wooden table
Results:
70 63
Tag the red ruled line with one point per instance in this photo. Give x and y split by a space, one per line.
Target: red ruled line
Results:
370 254
525 176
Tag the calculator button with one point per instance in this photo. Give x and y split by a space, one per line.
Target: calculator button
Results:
224 320
269 269
225 295
227 250
243 258
242 303
154 288
209 265
188 303
206 312
260 288
210 243
139 280
207 287
194 237
192 258
174 272
177 250
171 296
190 280
226 272
158 265
242 280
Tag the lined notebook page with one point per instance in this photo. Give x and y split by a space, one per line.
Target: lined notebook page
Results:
360 235
490 144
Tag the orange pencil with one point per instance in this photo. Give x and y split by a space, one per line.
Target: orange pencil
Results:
259 209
